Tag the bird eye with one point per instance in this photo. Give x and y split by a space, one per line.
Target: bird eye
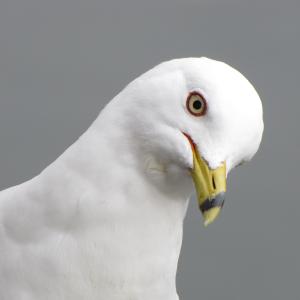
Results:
196 104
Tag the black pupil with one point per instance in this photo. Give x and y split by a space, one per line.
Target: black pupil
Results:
197 104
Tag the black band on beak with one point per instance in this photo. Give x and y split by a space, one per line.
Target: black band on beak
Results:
210 203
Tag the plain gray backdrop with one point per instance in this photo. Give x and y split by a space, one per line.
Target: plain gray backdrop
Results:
62 61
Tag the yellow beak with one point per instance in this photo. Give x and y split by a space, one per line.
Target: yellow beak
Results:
210 185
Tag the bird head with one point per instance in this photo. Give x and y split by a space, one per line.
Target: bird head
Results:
197 119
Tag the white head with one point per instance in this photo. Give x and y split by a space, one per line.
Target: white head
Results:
227 128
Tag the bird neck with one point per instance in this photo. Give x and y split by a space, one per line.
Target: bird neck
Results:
130 218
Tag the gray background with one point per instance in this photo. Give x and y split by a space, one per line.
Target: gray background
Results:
61 61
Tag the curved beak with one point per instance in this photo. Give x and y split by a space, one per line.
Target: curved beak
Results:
210 185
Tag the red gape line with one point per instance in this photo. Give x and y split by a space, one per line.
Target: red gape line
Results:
193 145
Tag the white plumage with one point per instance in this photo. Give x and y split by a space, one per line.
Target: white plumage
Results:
104 221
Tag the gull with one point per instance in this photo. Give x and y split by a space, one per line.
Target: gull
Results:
104 221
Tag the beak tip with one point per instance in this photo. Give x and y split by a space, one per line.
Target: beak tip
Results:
210 215
206 223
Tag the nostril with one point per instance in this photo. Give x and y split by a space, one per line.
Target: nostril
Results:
213 182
